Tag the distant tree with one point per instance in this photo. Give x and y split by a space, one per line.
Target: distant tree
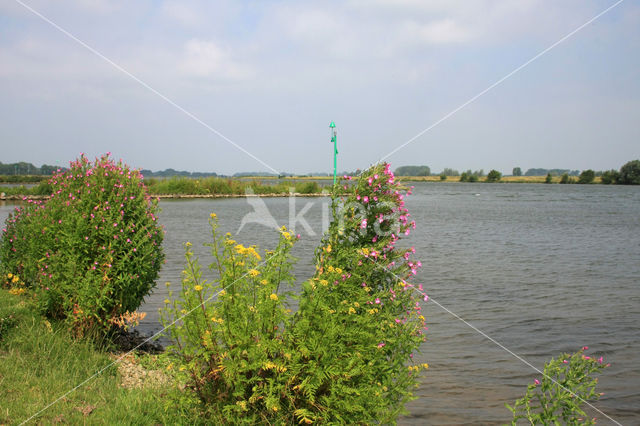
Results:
463 177
586 176
450 172
479 173
494 176
610 176
630 173
517 171
413 171
443 176
565 178
548 178
472 177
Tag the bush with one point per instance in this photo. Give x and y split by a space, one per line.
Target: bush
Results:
343 357
549 178
609 177
92 251
586 177
567 382
494 176
443 176
630 173
565 178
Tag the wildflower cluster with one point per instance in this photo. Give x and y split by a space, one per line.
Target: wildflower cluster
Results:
229 337
92 251
14 283
360 320
566 384
345 356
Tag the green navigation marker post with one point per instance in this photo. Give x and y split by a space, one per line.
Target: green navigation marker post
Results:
334 139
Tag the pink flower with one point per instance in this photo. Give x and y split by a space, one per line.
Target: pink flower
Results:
377 301
536 381
381 345
584 348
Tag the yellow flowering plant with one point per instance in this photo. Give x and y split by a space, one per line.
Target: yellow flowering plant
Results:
344 356
228 339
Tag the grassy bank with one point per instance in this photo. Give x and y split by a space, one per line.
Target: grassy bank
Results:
39 362
214 186
504 179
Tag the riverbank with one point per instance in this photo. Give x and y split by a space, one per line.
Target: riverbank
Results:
40 363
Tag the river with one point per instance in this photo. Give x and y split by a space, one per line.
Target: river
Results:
539 269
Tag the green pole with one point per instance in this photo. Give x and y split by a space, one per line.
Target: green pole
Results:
334 139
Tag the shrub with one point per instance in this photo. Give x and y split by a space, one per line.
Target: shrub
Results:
92 251
343 357
565 178
443 176
630 173
463 177
549 178
609 177
586 177
566 384
494 176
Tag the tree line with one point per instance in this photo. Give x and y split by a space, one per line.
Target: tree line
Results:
628 174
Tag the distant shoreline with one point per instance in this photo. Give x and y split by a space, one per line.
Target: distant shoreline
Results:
16 197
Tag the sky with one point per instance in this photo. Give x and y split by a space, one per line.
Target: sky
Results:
233 86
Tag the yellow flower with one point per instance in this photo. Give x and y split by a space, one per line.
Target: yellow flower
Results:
15 279
338 270
329 248
222 293
352 311
198 287
17 291
9 275
356 304
330 268
167 283
240 249
425 365
365 251
166 301
213 215
324 282
286 235
230 242
254 272
188 244
264 282
273 296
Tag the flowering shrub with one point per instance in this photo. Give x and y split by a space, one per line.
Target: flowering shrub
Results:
92 251
346 354
566 384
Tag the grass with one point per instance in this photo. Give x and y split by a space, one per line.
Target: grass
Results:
40 362
504 179
182 185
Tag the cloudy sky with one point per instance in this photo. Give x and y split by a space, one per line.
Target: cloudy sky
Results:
191 84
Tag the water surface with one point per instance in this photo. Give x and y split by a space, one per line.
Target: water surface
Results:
541 269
